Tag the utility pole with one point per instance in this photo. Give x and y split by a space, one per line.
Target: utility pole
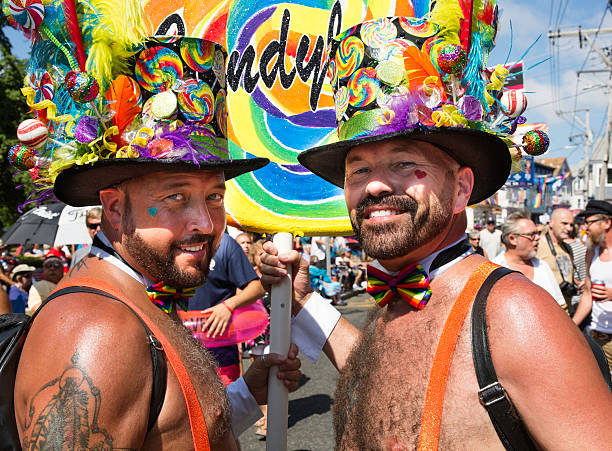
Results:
585 35
588 141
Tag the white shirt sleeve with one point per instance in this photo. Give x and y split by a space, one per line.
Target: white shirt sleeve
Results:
312 325
547 280
244 409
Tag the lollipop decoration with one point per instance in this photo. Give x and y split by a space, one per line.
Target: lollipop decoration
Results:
32 133
513 103
451 59
22 157
535 142
27 15
81 86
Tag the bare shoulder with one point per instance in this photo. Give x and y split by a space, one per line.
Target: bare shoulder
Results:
85 370
524 319
546 366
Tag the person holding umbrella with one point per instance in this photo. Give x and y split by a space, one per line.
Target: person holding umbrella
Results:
18 293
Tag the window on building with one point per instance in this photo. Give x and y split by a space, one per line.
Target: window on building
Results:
609 175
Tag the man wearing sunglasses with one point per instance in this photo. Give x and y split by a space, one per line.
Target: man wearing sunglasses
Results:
521 238
597 295
92 221
52 272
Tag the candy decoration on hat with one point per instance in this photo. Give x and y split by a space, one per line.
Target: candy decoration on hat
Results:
163 105
219 68
32 133
535 142
350 55
451 59
87 129
513 103
198 54
25 14
196 101
158 69
81 86
22 157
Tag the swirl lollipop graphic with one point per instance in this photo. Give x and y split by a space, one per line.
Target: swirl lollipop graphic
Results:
196 101
363 87
350 55
341 101
421 28
198 54
378 32
221 111
219 67
158 69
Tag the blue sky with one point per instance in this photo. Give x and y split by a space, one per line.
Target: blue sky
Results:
552 85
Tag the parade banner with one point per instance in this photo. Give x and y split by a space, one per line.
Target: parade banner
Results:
279 98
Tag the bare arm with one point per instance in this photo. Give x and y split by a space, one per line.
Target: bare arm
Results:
75 387
586 299
547 368
221 314
273 268
5 303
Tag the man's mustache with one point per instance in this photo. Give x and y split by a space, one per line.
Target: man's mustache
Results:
403 203
195 239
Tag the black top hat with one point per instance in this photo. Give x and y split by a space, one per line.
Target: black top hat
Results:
398 77
166 110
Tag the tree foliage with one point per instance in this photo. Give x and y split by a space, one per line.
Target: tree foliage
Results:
13 110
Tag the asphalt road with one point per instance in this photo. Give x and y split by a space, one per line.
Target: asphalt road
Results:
310 407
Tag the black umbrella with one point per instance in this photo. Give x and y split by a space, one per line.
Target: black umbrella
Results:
52 224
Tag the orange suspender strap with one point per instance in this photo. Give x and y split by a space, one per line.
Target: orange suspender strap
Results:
436 388
196 417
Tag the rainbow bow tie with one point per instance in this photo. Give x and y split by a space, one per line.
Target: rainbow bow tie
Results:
412 284
166 297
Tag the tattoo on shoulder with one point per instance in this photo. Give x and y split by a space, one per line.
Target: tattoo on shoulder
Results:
82 263
63 414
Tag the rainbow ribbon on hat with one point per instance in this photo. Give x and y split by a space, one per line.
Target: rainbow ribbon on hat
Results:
166 297
412 284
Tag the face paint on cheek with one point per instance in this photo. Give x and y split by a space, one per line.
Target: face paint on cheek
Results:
152 211
420 174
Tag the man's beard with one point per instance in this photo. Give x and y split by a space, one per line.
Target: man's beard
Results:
161 265
596 239
393 240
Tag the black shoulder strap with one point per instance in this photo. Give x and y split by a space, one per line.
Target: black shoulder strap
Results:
158 359
493 397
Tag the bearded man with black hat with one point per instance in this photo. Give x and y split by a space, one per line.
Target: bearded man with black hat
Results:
416 147
152 149
597 296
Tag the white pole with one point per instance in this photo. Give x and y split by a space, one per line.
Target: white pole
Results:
280 336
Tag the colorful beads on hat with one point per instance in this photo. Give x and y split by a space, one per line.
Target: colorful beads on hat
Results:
451 59
81 86
22 157
32 133
535 142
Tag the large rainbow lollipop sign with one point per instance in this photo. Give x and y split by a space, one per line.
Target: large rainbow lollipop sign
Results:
279 98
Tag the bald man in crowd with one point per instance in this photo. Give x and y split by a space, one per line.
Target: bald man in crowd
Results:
554 251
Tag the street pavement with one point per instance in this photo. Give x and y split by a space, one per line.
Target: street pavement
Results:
310 406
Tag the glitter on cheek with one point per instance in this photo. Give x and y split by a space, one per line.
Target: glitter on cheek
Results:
420 174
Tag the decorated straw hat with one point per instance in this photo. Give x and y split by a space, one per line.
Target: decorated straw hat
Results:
112 103
425 79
